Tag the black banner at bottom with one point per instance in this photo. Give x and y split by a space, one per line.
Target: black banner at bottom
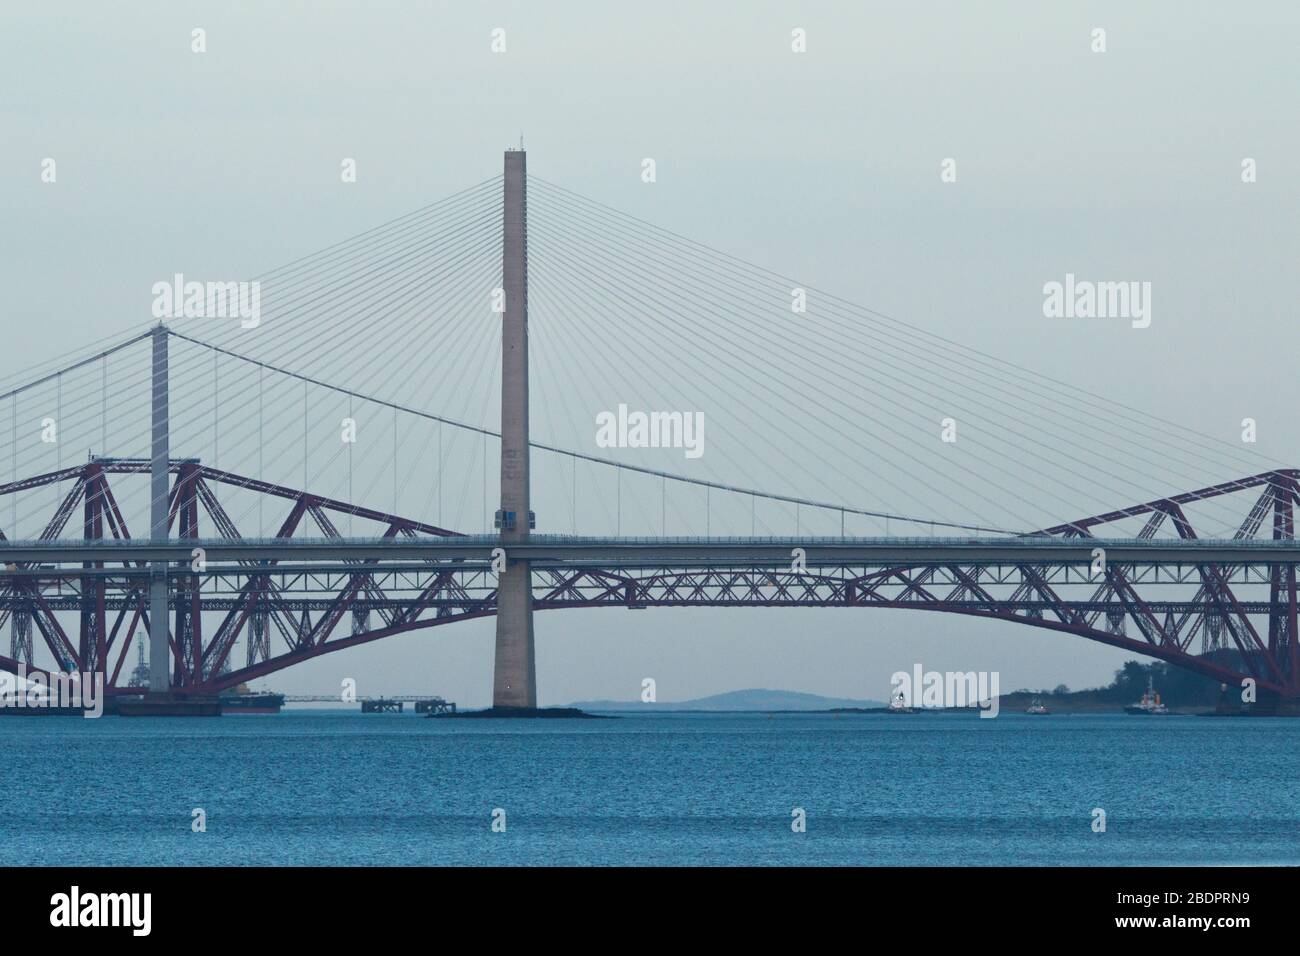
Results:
335 905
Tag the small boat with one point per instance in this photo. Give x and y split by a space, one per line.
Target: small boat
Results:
1036 706
898 705
258 702
241 700
1149 705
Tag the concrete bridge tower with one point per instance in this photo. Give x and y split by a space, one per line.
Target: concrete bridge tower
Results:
515 676
159 470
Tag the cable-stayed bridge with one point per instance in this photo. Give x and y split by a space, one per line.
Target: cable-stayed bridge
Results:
403 438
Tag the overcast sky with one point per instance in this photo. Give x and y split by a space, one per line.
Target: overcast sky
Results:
824 165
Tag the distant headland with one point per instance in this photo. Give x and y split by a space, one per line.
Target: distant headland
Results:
1184 691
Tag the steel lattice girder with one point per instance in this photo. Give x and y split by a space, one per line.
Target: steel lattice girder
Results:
1066 597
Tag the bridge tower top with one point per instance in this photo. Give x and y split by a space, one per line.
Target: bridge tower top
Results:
514 519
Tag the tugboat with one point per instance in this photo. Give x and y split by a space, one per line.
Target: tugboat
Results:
898 705
1036 706
1149 704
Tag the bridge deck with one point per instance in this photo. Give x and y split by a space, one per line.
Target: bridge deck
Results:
683 552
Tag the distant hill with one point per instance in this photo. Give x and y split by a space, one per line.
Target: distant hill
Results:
736 700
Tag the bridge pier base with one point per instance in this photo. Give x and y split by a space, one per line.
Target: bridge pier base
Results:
1271 705
514 682
1267 705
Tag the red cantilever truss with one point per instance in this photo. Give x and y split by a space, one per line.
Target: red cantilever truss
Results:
256 607
1198 617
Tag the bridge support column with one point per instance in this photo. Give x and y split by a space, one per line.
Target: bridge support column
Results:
515 674
159 654
92 645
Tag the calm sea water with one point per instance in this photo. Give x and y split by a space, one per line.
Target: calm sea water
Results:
347 788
